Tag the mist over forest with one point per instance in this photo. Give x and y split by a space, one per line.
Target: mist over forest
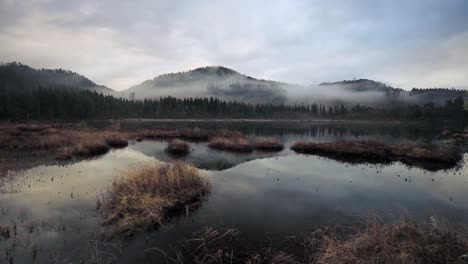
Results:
229 85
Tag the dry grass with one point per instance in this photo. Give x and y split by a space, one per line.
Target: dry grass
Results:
65 141
268 144
378 243
372 151
116 141
147 195
400 243
178 147
237 144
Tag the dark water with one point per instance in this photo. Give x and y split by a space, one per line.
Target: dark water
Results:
261 194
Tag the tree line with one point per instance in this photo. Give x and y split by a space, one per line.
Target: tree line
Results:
76 104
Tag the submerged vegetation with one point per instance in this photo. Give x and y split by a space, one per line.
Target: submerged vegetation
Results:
268 144
427 156
399 243
178 147
147 195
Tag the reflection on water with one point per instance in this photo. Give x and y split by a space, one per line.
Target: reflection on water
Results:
322 131
54 207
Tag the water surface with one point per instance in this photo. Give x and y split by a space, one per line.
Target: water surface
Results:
263 194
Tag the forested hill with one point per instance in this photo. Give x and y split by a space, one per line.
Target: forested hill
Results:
229 85
77 104
215 81
364 85
15 75
394 95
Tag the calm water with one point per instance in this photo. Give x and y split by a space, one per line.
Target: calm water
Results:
261 194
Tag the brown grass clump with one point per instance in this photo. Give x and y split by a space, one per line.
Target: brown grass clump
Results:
149 194
238 144
116 141
64 141
91 148
268 144
400 243
234 142
377 243
427 156
177 147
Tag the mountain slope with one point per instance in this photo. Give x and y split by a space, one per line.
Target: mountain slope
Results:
215 81
19 76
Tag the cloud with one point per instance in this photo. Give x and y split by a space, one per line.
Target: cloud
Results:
119 44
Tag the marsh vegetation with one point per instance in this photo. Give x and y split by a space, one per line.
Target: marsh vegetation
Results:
268 144
178 147
372 151
146 207
402 242
146 195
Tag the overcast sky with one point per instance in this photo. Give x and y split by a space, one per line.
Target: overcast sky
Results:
404 43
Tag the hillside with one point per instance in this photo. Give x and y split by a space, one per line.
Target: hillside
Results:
229 85
363 85
215 81
19 76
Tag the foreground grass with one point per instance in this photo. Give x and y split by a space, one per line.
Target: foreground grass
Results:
377 243
177 147
149 194
428 156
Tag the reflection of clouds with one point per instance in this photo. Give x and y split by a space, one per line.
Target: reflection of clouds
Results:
338 186
45 198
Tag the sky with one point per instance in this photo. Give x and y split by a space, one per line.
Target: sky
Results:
404 43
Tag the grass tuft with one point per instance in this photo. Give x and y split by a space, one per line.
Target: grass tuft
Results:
427 156
398 243
268 144
237 144
147 195
377 243
116 141
177 147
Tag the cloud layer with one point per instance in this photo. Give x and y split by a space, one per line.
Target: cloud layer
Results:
119 44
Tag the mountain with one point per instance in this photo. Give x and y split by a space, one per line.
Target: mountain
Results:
15 75
363 85
215 81
230 85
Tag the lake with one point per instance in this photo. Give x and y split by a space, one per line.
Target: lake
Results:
262 194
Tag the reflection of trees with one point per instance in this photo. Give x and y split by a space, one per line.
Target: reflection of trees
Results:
314 130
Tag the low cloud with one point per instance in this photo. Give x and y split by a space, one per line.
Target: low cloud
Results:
120 44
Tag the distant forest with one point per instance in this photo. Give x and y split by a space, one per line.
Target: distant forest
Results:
77 104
